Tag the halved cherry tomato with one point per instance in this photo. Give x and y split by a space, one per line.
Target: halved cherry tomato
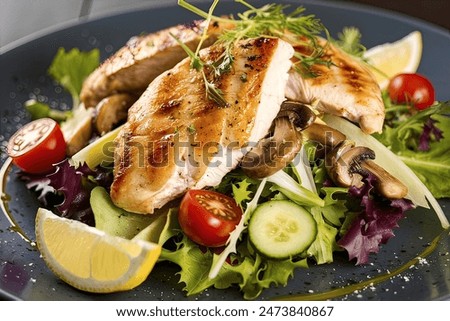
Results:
38 145
413 89
208 217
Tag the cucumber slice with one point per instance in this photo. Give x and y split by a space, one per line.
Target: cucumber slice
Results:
281 229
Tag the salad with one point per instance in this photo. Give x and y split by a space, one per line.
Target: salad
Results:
241 247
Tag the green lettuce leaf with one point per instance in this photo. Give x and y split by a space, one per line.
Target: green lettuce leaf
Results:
401 135
69 69
40 110
248 270
72 67
241 192
324 244
329 219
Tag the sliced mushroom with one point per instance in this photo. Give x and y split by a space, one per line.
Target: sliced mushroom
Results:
111 111
386 184
299 114
273 153
347 165
323 134
342 160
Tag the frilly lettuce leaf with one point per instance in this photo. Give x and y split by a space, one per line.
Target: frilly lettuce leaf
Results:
251 273
374 225
329 218
422 141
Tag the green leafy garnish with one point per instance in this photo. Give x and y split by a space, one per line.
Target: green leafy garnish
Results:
402 134
349 40
212 92
269 21
69 69
72 67
40 110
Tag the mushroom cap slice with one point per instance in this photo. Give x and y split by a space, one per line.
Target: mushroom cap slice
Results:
348 165
299 114
323 134
273 153
386 184
343 164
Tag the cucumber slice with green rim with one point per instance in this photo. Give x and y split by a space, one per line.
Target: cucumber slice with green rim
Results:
281 229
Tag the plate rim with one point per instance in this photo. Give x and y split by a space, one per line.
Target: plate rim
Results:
373 11
368 9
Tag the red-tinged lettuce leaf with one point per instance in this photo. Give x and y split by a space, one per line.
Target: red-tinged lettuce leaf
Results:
39 184
421 139
374 225
68 189
430 133
68 181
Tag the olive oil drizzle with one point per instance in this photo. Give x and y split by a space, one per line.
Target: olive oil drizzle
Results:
4 200
349 289
327 295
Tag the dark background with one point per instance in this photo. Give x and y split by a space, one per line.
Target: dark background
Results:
435 11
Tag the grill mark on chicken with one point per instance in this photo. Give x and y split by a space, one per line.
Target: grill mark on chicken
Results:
346 88
134 66
184 134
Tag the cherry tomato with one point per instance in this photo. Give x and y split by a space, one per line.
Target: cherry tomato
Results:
208 217
38 145
411 88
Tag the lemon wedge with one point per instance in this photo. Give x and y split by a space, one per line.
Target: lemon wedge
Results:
91 260
390 59
101 150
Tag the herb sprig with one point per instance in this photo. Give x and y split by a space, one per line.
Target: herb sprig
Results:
212 92
268 21
349 40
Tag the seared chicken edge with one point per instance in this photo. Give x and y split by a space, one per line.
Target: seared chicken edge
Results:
175 125
347 89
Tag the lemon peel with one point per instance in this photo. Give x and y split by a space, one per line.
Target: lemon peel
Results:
392 58
91 260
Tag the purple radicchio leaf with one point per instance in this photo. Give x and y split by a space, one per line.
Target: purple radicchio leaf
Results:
68 180
430 130
375 223
68 189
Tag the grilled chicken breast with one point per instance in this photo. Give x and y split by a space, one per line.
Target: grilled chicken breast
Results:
132 68
176 138
346 88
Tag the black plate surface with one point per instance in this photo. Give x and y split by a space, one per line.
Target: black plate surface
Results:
23 65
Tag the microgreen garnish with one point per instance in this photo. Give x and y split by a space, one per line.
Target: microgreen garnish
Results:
269 21
349 40
212 92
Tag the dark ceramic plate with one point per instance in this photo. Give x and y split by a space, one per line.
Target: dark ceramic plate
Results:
23 274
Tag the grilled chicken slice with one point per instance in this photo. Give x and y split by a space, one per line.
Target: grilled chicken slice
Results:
132 68
346 88
176 138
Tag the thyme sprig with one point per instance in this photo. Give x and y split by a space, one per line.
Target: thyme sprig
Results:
212 91
269 21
